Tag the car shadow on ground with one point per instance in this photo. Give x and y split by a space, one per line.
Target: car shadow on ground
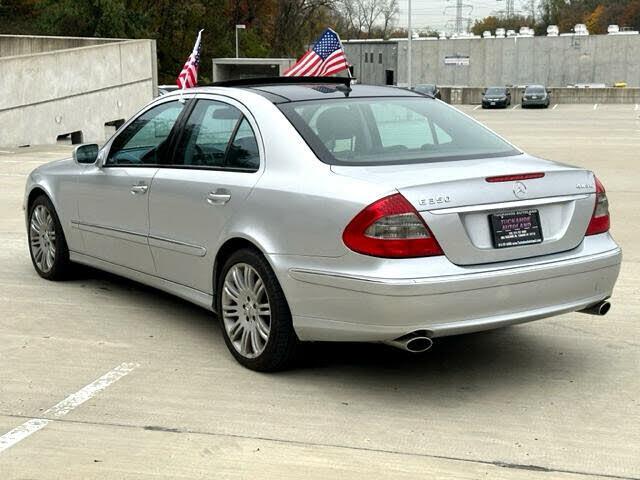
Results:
502 358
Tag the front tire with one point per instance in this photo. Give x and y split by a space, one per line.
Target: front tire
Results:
47 244
254 314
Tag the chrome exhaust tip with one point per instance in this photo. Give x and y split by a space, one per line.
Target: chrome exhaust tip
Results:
414 342
600 309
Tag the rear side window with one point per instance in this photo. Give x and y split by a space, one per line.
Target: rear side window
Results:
217 135
387 131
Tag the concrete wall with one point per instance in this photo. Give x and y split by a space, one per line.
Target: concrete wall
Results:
553 61
60 91
12 45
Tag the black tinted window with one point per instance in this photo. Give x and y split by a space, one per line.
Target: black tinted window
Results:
380 130
207 139
243 152
142 141
535 90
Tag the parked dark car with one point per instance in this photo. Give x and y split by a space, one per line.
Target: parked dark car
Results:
496 97
428 89
536 96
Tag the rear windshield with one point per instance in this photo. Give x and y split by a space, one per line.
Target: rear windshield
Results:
496 91
387 131
535 90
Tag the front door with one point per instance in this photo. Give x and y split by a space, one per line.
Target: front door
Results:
114 195
214 167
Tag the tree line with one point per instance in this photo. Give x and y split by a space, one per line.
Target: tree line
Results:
597 15
276 28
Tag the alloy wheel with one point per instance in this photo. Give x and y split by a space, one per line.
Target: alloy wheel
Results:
246 311
42 238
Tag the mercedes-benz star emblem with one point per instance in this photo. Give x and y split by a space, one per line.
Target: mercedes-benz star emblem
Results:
520 190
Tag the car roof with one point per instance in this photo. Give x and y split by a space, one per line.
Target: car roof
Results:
321 91
297 89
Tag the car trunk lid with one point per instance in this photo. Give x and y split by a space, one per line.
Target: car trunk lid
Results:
457 202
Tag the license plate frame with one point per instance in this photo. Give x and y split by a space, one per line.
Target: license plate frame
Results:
516 228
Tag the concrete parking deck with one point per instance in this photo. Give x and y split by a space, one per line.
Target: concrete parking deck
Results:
554 399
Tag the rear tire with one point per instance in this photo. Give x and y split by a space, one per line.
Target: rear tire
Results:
254 314
47 244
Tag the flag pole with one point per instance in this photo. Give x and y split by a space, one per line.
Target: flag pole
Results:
345 55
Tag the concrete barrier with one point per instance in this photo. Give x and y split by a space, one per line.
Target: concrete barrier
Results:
65 90
473 95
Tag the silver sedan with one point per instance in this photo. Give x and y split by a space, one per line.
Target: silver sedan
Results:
310 210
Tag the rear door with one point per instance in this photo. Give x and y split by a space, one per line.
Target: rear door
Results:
216 163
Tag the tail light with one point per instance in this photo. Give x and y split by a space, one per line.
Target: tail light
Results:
390 228
600 220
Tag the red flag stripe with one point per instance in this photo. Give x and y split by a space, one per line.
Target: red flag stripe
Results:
308 65
298 65
337 60
313 67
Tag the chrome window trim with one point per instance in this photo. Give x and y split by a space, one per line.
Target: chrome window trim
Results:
510 205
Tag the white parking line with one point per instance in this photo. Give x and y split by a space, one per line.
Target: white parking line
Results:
477 107
637 107
18 434
595 107
555 106
515 107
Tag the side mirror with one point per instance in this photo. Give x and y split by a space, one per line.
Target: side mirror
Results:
86 154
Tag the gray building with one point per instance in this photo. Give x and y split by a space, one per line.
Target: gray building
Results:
478 62
238 68
76 89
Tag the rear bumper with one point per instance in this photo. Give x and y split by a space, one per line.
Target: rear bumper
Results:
538 103
335 305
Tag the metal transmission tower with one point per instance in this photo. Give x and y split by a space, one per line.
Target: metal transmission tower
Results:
461 20
509 8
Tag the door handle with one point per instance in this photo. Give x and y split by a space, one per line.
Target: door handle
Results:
139 189
219 197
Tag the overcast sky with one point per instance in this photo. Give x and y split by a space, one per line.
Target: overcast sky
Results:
430 13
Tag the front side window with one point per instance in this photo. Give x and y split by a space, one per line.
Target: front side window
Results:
217 135
142 141
387 131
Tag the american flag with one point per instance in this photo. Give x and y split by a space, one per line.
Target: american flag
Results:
325 58
188 77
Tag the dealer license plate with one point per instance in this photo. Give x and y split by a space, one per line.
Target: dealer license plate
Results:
512 229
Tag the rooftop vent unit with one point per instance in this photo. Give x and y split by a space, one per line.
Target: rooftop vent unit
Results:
500 32
553 31
581 29
526 32
615 30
